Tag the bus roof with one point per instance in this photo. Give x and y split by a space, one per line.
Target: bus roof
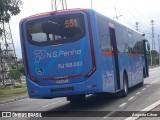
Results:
55 12
74 10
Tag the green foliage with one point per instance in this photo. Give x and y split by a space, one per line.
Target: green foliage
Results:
9 92
155 58
17 73
21 69
9 8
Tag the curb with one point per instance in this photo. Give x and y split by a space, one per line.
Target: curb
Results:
14 99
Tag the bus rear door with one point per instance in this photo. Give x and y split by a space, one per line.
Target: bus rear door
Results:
115 56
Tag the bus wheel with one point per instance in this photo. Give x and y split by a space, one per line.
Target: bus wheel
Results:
76 98
144 73
141 84
125 86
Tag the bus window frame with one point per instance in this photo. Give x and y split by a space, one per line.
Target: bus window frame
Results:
62 41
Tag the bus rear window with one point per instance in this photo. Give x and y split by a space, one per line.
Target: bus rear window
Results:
59 29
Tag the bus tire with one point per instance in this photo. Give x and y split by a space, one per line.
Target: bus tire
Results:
144 73
76 98
124 91
141 84
144 76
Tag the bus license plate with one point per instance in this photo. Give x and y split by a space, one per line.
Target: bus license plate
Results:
61 81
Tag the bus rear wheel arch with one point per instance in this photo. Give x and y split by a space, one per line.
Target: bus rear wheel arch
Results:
124 90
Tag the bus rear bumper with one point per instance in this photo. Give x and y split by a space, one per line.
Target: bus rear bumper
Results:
48 92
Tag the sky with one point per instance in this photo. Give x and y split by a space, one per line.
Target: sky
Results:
131 11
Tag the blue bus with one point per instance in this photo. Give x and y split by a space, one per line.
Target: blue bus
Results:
75 52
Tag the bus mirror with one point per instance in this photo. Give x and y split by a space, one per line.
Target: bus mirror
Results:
148 47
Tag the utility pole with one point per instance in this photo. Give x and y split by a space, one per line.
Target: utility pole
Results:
91 4
58 5
137 26
8 59
52 5
1 67
117 16
159 48
153 41
152 29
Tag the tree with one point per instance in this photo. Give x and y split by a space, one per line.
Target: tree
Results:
21 69
8 8
155 58
17 73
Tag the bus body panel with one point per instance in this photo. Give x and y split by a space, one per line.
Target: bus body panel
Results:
48 67
70 59
84 66
130 62
85 87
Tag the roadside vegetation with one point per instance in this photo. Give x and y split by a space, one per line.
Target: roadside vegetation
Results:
18 87
155 58
16 90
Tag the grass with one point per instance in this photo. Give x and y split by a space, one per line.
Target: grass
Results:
10 92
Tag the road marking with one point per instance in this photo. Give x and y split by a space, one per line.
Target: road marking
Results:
145 110
12 101
147 85
155 81
109 114
131 98
138 93
123 104
52 103
143 89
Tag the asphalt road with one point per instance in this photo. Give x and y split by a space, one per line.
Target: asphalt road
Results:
137 99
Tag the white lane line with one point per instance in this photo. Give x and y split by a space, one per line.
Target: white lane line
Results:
155 81
143 89
138 93
147 85
13 101
123 104
131 98
145 110
109 114
52 103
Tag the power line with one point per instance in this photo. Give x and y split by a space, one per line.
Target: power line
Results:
55 4
117 16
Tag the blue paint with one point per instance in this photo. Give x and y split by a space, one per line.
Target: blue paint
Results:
63 67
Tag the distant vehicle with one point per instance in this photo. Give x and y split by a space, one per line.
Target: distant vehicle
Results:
72 53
